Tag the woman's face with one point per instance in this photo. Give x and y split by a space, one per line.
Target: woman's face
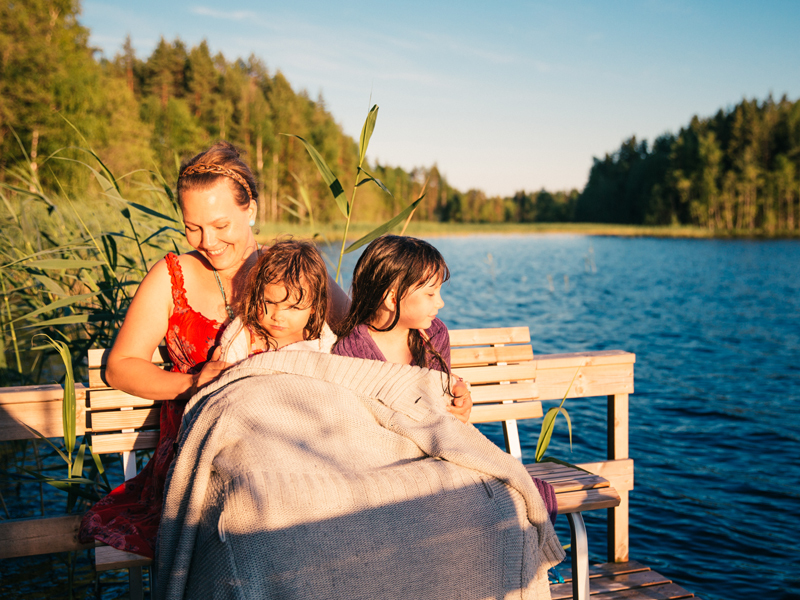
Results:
217 227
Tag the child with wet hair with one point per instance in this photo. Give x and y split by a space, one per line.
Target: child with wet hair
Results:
283 304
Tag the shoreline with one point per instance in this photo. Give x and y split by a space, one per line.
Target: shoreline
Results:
332 232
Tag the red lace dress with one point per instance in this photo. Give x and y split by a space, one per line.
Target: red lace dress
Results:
128 518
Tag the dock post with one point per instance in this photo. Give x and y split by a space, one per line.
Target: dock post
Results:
617 428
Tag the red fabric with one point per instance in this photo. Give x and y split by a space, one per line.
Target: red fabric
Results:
128 518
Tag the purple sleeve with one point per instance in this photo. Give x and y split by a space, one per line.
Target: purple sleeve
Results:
358 344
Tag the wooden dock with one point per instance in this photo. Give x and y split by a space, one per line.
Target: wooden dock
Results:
629 580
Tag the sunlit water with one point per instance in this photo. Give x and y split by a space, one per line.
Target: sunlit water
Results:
715 326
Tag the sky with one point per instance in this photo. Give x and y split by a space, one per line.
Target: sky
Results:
501 96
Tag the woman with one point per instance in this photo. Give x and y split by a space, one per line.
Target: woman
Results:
185 299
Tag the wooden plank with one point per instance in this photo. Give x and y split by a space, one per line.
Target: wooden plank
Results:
111 398
40 413
489 413
576 359
523 390
107 558
30 537
470 357
604 569
124 442
584 500
667 591
484 337
618 545
590 381
98 357
617 582
118 420
495 374
618 472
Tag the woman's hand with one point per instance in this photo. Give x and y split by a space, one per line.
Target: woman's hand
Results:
210 371
462 401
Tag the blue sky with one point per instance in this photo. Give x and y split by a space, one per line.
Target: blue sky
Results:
503 96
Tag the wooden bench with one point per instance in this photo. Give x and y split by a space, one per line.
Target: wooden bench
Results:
508 384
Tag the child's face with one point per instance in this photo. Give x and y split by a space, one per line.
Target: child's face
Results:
282 316
418 308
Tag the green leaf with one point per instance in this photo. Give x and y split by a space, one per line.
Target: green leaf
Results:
151 212
64 263
68 405
77 466
374 179
51 285
68 301
70 320
366 134
159 232
385 227
327 175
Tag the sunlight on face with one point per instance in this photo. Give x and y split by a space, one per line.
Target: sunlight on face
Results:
282 317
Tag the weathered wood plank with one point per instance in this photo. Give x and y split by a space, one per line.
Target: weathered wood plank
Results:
40 409
523 390
124 442
117 420
667 591
583 500
618 582
111 398
604 569
576 359
484 337
618 472
489 413
618 545
590 381
30 537
107 558
494 374
470 357
98 357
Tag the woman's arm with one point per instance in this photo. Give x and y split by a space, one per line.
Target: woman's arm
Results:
129 366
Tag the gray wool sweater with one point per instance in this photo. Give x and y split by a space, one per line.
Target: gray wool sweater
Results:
306 475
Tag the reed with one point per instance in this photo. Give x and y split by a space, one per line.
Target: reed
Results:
362 177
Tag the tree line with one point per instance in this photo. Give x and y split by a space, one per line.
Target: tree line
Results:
737 170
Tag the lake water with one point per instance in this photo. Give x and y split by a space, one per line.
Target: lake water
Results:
715 417
714 420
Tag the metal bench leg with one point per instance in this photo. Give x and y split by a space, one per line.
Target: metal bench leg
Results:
580 556
136 584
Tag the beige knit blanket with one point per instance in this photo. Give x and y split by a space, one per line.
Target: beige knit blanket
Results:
304 475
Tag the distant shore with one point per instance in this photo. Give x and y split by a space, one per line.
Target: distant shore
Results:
333 231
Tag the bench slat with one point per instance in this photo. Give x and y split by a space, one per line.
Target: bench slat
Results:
111 398
99 356
117 420
484 337
524 390
470 357
602 380
124 442
494 374
31 537
488 413
107 558
583 500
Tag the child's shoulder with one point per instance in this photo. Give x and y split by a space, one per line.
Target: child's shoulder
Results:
437 328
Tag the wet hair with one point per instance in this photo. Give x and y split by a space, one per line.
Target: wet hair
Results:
220 161
403 264
296 265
